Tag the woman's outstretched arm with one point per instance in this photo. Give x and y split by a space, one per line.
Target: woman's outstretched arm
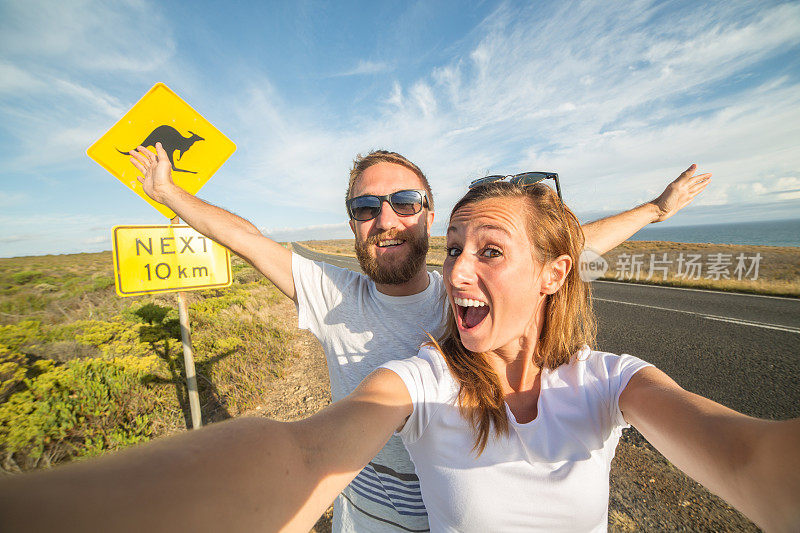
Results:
753 464
248 474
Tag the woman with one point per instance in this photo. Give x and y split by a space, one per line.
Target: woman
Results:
511 419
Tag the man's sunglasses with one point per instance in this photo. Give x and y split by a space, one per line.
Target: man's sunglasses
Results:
524 179
404 203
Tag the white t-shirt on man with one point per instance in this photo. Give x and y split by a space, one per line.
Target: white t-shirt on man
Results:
361 328
550 474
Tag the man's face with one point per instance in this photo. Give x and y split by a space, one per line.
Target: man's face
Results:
391 248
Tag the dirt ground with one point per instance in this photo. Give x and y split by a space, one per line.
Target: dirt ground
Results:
647 492
303 389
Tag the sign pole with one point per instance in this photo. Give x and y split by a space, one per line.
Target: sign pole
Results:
188 359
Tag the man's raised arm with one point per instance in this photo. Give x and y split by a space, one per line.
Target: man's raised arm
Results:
604 234
229 230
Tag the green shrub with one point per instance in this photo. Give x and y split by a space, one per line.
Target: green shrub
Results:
26 276
23 303
82 371
114 338
159 328
78 409
102 282
152 313
216 301
12 371
25 332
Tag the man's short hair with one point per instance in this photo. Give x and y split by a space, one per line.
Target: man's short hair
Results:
363 162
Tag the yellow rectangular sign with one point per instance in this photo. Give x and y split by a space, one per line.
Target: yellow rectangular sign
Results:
167 258
195 147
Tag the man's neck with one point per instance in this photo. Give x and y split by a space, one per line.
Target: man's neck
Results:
415 285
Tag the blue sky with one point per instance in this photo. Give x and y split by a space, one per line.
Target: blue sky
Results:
617 97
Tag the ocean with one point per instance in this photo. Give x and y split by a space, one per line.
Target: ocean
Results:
769 233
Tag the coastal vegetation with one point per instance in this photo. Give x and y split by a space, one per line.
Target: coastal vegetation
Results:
83 371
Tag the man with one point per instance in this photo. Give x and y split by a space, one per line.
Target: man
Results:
363 321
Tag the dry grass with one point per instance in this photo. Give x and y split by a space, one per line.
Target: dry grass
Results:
778 274
58 289
619 522
778 269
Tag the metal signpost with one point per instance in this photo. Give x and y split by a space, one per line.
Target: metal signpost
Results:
167 258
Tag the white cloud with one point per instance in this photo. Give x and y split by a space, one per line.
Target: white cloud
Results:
53 220
14 79
98 239
366 67
86 34
396 97
314 232
697 90
519 102
424 98
785 188
53 54
9 199
90 97
17 238
52 233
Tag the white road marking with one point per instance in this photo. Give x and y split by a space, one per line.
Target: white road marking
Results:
710 317
756 324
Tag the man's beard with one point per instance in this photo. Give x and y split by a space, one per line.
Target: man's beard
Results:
394 274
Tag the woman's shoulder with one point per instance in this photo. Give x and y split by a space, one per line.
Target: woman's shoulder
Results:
601 365
426 377
430 356
428 361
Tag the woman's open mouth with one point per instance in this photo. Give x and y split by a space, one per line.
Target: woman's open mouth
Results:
470 312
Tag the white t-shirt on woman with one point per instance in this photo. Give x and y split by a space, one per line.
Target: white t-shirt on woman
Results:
550 474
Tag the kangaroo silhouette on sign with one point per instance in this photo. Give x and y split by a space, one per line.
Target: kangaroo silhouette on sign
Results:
171 140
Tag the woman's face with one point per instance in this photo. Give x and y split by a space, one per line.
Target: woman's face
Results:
492 280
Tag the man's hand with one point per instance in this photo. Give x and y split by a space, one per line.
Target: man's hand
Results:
156 172
680 193
219 225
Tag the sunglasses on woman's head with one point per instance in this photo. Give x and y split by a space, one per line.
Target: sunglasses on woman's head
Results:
524 179
404 203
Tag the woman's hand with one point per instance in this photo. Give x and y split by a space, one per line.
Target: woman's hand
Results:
603 235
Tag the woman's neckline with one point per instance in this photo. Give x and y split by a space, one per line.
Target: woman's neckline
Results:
541 378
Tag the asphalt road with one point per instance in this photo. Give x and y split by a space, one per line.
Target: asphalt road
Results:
737 349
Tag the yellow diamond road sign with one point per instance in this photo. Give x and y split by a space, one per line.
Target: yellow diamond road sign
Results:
195 148
167 258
